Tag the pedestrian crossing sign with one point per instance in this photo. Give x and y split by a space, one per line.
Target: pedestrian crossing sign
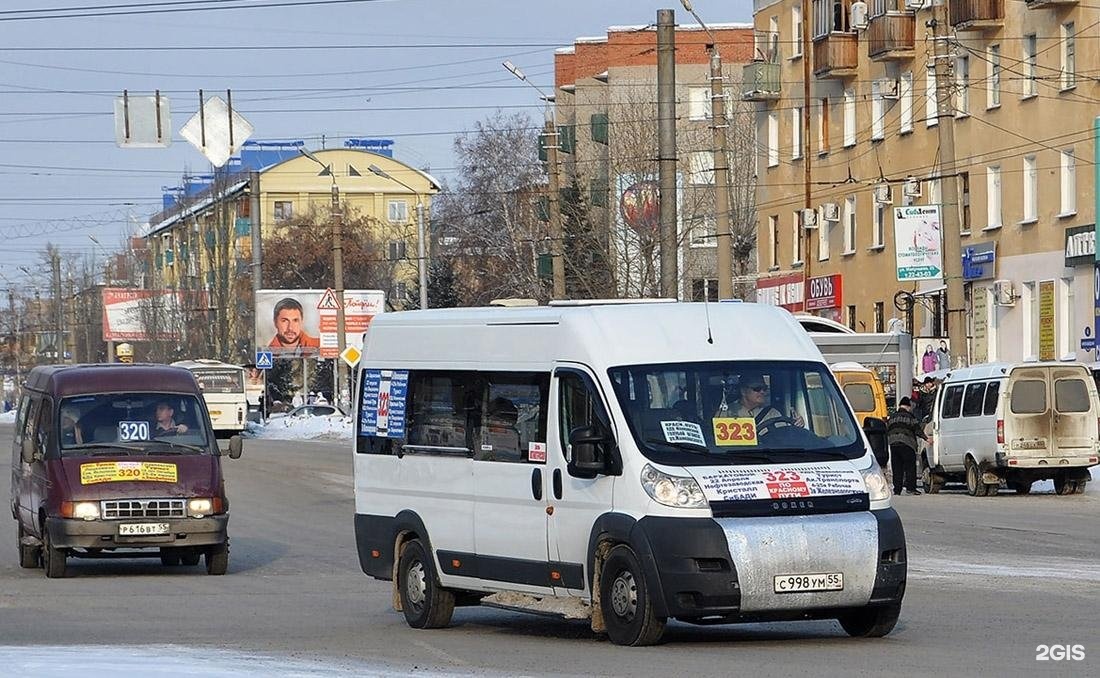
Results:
328 301
264 360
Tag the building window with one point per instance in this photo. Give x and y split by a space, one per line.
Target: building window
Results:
849 118
851 317
823 126
1031 189
849 218
284 210
796 240
823 237
699 103
1069 56
702 168
993 196
796 32
773 139
1068 178
878 110
906 96
704 232
880 317
1030 63
878 225
964 199
993 93
796 133
773 235
708 286
398 211
397 250
962 86
931 104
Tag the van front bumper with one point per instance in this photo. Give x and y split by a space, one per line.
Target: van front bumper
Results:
103 534
724 568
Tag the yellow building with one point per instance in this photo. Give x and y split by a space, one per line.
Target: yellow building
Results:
1023 132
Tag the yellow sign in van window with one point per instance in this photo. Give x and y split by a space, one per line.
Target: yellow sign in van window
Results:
729 431
127 471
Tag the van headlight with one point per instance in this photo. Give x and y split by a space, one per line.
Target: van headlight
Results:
675 491
877 487
86 510
197 508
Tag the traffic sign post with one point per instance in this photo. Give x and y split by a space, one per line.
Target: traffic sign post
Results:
264 360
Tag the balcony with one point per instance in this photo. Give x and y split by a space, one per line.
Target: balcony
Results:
760 81
836 55
1040 4
890 36
977 15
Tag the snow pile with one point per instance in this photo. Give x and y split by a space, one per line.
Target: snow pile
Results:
305 428
7 417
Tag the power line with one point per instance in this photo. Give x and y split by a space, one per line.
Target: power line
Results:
139 9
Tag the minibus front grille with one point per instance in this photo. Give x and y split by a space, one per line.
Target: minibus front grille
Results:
794 506
116 509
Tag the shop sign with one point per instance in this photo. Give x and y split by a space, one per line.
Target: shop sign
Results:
1047 327
1080 245
783 290
824 293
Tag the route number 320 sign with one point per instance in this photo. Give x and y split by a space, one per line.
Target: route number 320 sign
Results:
730 431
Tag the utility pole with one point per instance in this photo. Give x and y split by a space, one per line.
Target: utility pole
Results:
421 253
722 231
17 338
952 240
59 320
338 274
257 240
807 191
557 238
666 150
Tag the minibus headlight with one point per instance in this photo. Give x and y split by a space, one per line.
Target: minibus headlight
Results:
877 487
81 510
669 490
197 508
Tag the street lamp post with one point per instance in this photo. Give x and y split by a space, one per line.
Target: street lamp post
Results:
337 271
421 254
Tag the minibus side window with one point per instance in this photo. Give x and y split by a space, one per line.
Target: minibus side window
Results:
42 428
442 409
21 422
579 405
513 415
991 394
952 402
974 399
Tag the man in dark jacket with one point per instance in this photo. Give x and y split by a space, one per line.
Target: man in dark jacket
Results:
902 430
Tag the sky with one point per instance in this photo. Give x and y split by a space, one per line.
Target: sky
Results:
415 71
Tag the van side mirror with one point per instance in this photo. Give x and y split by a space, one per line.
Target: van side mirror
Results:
590 445
236 446
875 429
28 450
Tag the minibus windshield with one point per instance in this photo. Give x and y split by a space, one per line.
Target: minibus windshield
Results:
132 424
712 413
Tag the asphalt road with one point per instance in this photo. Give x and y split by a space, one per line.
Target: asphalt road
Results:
990 579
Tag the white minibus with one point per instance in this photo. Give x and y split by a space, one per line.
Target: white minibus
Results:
1013 424
223 389
634 463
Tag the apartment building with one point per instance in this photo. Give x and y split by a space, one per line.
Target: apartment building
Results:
1024 142
606 108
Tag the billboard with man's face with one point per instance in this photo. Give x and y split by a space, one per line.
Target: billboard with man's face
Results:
292 323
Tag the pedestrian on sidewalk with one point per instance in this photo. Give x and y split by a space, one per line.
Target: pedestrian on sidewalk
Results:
902 430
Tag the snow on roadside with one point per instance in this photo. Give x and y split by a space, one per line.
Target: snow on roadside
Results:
8 417
312 428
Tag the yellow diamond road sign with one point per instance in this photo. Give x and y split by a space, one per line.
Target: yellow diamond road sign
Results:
351 356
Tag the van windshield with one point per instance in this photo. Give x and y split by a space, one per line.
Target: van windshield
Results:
710 413
132 423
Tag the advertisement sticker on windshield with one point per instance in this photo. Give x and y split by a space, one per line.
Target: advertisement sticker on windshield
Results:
382 409
133 430
797 480
729 431
536 453
683 432
127 471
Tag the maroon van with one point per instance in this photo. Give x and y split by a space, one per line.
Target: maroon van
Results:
113 461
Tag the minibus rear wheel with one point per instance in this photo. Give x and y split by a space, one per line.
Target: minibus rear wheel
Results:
426 604
870 622
28 555
624 598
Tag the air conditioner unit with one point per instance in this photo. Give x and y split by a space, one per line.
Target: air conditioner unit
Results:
912 187
883 195
888 89
858 15
830 211
1003 293
809 218
917 5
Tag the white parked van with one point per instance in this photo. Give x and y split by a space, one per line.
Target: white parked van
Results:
628 461
1014 424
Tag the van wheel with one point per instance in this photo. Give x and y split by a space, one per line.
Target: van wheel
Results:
625 601
426 604
190 559
53 560
1021 486
1063 485
932 482
1080 489
217 559
974 485
28 555
870 622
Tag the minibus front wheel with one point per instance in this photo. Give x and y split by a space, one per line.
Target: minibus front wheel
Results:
870 622
426 604
53 559
626 602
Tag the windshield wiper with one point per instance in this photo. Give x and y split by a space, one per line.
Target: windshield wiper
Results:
193 448
105 446
830 454
685 447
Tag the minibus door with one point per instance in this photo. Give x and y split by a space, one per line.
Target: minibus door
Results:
1074 428
577 500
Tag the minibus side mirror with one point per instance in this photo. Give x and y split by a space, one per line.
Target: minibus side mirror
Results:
875 429
589 445
236 446
28 450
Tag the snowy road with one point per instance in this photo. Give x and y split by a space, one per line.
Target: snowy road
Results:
990 579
